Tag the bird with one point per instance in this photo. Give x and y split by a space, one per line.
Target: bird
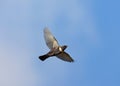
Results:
55 48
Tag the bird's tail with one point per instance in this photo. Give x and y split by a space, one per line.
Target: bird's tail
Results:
43 57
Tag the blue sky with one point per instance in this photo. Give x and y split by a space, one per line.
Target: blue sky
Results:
90 28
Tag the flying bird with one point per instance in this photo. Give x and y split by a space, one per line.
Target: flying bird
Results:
55 48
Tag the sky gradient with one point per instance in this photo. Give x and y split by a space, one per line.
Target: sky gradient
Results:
90 28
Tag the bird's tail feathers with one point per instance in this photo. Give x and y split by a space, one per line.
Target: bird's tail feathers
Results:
43 57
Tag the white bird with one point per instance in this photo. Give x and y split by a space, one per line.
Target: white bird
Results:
55 48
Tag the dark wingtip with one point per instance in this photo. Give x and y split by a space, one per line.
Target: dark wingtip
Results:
71 60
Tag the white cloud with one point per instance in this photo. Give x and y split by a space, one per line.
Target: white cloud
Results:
16 61
75 17
15 66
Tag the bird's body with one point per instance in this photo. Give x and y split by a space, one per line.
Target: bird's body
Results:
55 48
52 52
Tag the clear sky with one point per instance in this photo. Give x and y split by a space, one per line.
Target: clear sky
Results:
90 28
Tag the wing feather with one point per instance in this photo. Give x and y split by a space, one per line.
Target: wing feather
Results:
65 56
50 40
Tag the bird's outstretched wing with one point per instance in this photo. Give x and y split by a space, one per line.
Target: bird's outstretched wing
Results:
50 40
65 56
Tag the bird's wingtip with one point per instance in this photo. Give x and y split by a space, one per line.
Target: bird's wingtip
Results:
46 28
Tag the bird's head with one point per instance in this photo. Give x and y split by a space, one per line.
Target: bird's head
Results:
64 47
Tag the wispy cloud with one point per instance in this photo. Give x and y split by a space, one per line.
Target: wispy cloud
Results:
74 17
20 20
